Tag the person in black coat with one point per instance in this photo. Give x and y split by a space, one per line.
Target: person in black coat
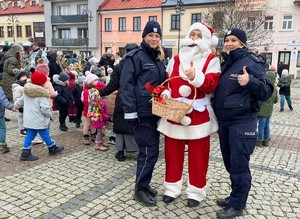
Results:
143 66
76 94
63 98
242 85
107 60
54 58
124 131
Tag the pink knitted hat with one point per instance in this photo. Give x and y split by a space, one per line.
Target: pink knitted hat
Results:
90 77
42 67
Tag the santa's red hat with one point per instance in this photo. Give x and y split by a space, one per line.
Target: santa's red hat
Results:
206 31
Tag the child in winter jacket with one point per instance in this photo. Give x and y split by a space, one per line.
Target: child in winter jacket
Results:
284 83
18 90
63 99
4 103
37 113
76 93
265 113
95 111
72 108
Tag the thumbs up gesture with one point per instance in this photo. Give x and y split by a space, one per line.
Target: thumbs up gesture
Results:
243 79
190 72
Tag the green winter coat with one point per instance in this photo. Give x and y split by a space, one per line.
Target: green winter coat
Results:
10 63
266 107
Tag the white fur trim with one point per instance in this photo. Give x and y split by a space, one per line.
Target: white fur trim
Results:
198 194
169 68
189 132
173 189
185 90
198 80
166 92
214 40
186 121
206 34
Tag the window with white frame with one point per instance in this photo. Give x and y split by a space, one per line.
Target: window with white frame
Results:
268 23
2 31
108 25
152 18
64 10
81 9
64 33
136 23
196 18
122 24
82 33
287 22
175 22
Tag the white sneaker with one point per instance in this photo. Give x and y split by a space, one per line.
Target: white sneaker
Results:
37 141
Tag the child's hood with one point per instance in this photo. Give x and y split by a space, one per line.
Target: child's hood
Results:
33 90
57 81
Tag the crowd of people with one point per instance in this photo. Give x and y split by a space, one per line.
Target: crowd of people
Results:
233 98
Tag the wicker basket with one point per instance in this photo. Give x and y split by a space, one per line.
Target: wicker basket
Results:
173 110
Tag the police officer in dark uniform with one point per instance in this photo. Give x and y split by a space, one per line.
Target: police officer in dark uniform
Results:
242 84
141 66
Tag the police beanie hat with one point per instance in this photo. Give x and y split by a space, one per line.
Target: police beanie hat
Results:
130 46
151 27
63 76
239 33
20 74
38 78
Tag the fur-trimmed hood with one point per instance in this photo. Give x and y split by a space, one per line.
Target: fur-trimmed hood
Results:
57 81
33 90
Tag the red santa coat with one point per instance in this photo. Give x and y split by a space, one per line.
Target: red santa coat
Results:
201 121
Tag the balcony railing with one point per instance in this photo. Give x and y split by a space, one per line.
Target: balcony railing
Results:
70 42
69 19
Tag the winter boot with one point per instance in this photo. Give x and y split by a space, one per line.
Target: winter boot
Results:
93 137
63 127
86 140
77 123
281 110
120 155
27 155
291 108
54 149
259 143
265 143
4 148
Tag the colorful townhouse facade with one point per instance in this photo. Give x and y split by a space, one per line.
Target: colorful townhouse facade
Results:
22 22
123 21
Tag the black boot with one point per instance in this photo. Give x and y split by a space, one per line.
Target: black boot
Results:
229 212
120 155
63 127
78 123
192 203
291 108
168 199
144 198
153 192
54 149
223 202
27 155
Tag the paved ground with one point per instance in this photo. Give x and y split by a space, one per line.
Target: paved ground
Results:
84 183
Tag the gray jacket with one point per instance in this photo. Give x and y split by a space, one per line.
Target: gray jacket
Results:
37 110
4 103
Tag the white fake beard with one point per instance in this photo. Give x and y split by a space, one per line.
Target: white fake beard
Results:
189 53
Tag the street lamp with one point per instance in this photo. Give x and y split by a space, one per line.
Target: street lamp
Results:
88 13
179 11
13 19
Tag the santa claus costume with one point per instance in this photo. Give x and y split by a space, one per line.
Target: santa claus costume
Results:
198 123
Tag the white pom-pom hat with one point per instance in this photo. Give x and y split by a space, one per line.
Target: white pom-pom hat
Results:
206 31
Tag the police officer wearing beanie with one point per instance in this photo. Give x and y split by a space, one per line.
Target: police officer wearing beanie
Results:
243 83
142 66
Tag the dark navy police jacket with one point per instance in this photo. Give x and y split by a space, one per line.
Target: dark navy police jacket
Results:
140 67
235 103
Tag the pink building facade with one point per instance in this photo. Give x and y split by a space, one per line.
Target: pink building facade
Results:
123 22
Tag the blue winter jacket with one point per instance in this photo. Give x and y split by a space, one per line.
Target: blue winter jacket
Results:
232 102
4 103
140 67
